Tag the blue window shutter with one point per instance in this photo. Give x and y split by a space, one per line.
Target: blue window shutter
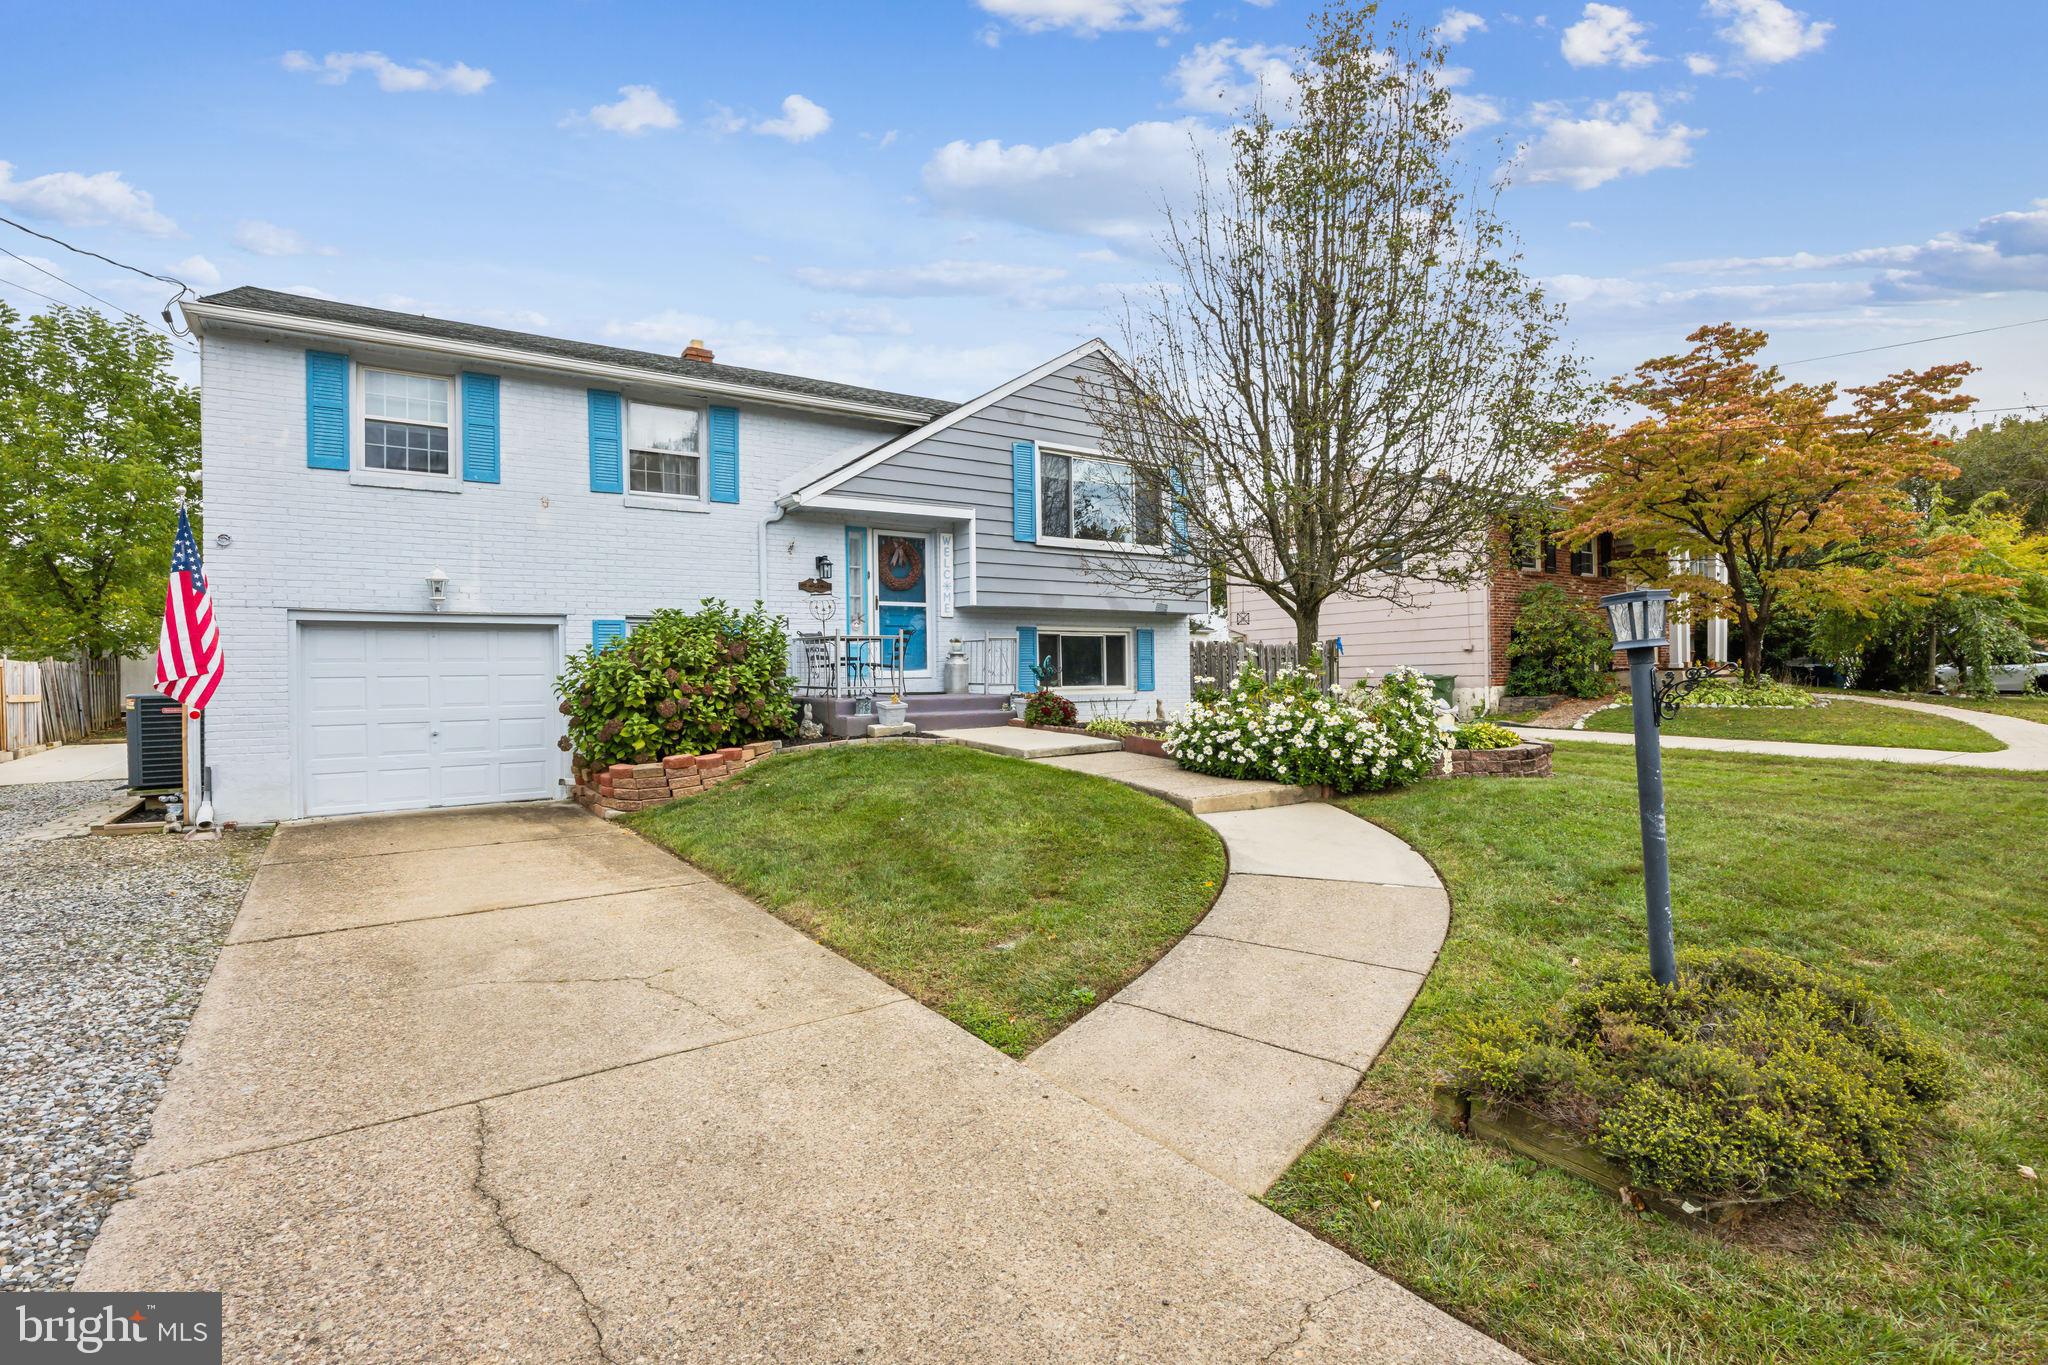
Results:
1179 513
326 410
1024 490
1144 653
725 454
479 428
607 462
1027 655
603 633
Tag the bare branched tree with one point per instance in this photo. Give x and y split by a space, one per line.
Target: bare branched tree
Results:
1346 383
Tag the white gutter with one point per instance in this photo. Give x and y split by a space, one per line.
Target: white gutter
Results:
508 355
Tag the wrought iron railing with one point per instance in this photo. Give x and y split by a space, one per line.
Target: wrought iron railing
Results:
855 666
852 666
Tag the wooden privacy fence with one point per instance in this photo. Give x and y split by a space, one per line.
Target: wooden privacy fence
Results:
56 701
1220 660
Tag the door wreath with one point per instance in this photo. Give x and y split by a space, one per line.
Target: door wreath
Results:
903 566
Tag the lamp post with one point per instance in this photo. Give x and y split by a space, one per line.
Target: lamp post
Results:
1637 620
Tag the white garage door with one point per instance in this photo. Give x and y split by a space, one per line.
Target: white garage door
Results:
397 717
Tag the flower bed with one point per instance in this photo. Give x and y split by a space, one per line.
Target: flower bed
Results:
1289 730
1530 758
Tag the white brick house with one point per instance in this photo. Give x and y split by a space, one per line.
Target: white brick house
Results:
352 455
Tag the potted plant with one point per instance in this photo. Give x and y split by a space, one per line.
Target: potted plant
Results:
892 711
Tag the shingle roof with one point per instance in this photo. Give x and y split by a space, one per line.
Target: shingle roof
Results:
327 310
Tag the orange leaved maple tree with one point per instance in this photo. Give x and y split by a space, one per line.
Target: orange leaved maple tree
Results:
1802 502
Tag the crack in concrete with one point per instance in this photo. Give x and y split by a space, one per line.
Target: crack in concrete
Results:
503 1222
1309 1309
650 980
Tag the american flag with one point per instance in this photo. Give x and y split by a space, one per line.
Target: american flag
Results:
188 653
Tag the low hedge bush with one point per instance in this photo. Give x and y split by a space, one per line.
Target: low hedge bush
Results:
683 682
1110 727
1484 734
1754 1075
1290 730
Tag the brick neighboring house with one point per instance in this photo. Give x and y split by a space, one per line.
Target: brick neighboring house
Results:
1464 632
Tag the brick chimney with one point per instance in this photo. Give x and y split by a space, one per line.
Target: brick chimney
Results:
697 350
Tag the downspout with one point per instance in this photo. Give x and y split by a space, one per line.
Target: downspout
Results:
761 559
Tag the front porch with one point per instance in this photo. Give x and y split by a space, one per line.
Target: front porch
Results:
844 678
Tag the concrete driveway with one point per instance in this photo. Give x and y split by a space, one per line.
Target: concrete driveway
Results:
512 1084
68 763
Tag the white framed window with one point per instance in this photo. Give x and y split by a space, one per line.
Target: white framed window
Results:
1085 498
1086 660
406 427
665 451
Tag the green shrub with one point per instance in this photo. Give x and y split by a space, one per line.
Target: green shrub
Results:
680 683
1111 727
1753 1075
1762 693
1047 707
1558 647
1484 734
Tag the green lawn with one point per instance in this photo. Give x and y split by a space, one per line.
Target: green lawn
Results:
1930 885
2022 705
1009 896
1839 722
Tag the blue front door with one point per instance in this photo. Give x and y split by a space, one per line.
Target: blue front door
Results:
902 575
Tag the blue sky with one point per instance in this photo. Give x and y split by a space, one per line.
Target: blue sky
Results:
934 196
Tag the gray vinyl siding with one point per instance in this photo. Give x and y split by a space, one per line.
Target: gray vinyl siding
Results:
968 465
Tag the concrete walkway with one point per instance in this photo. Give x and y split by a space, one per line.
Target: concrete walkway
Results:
513 1085
68 763
2026 741
1238 1046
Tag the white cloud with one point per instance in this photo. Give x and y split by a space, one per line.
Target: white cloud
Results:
1225 76
1582 225
867 320
1768 31
395 77
638 109
1610 294
1701 64
933 279
268 239
1110 182
309 292
1619 137
1459 24
1607 35
102 199
197 270
2003 253
1472 112
801 121
1085 17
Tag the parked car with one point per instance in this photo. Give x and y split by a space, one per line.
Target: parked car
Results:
2029 676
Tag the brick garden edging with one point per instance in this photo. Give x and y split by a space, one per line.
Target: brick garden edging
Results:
626 787
1531 759
1155 745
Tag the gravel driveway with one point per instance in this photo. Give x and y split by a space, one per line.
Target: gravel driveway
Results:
108 943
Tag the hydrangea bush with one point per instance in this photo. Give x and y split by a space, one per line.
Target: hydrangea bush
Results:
1290 730
680 683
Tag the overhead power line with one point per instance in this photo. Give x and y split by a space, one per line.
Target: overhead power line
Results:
97 298
1895 345
183 288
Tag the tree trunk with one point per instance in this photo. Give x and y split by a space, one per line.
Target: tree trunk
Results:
1752 652
1933 657
1308 623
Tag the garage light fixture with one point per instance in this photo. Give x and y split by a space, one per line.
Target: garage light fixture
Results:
437 589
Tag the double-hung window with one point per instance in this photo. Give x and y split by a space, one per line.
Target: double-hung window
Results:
1586 560
665 451
1086 660
405 422
1087 497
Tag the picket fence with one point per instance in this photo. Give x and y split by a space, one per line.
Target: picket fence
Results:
1220 660
56 701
